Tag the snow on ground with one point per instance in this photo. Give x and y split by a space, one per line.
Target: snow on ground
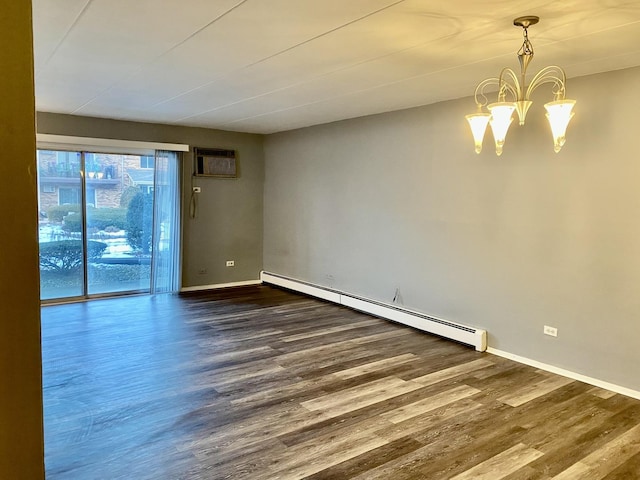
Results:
117 245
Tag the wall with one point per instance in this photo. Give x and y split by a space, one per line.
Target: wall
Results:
21 439
228 221
509 243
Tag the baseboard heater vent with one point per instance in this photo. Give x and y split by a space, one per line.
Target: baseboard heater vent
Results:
461 333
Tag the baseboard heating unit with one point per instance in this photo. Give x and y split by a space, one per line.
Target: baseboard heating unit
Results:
461 333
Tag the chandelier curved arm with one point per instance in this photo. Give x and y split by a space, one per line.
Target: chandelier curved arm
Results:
505 86
551 74
479 96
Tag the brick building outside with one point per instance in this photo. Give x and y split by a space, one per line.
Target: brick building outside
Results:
108 176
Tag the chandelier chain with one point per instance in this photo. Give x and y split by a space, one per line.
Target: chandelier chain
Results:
527 46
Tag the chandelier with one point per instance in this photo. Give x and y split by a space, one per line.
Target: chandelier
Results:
509 86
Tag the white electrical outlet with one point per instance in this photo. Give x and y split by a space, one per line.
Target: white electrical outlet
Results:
197 189
231 263
552 331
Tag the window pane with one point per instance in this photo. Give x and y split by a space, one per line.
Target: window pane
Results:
60 224
118 211
147 161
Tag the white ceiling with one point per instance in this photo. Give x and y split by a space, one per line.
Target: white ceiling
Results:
265 66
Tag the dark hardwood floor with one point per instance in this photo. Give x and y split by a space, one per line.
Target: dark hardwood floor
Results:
262 383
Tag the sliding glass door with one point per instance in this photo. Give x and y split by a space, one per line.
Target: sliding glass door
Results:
96 222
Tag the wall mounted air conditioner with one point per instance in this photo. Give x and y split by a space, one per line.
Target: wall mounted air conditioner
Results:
215 162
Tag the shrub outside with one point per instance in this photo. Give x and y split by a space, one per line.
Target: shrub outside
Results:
64 256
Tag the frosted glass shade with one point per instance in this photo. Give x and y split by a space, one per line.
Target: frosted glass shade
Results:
559 114
478 123
501 118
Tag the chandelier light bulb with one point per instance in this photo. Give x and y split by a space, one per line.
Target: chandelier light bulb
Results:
501 118
559 115
478 123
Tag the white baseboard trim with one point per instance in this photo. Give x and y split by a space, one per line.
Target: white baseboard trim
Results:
566 373
455 331
216 286
310 289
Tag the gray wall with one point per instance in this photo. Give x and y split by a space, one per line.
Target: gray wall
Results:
508 243
228 223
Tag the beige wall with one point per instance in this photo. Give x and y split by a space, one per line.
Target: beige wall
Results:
21 442
508 243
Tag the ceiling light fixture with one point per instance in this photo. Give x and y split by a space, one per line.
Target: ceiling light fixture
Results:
500 117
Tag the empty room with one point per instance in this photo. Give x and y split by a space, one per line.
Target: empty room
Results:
291 239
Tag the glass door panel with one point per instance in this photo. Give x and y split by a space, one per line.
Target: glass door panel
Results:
60 224
119 218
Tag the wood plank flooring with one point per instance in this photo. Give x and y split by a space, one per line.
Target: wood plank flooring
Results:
260 383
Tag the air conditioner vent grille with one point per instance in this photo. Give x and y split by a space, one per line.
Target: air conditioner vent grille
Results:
215 152
215 162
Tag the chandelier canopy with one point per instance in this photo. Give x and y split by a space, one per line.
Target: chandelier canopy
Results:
500 116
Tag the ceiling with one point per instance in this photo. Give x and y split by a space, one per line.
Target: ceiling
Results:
266 66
